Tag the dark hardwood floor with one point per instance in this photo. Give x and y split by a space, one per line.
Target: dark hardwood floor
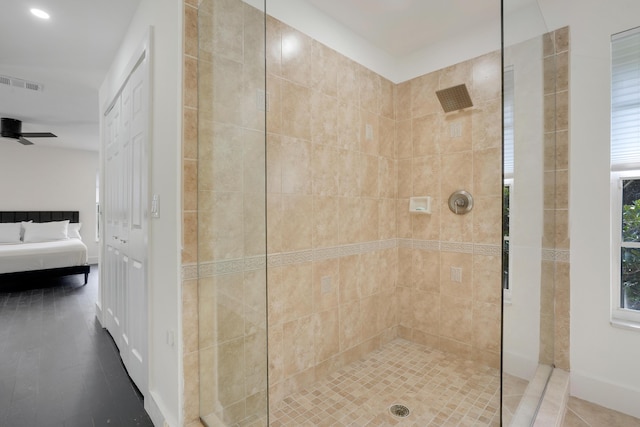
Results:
58 367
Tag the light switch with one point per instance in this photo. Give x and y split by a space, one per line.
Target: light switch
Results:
155 206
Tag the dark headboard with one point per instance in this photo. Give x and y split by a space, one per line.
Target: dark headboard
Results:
39 216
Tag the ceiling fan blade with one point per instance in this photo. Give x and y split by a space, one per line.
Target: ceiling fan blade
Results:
38 135
23 141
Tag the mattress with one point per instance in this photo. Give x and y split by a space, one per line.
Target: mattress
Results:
41 256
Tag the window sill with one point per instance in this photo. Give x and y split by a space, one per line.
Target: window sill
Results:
625 324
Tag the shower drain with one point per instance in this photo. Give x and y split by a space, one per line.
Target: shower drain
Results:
400 411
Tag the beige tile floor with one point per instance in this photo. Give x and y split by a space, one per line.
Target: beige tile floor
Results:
440 389
581 413
514 389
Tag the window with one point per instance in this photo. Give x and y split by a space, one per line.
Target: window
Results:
508 149
625 175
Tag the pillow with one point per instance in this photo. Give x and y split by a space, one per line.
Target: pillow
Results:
45 231
10 232
22 228
73 232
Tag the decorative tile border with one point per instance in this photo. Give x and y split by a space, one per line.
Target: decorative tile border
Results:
556 255
233 266
463 248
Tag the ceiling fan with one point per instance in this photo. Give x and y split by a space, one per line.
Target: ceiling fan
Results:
12 128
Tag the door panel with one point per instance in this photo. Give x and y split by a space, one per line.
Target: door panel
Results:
126 216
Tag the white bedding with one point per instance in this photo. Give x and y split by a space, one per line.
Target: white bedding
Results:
43 255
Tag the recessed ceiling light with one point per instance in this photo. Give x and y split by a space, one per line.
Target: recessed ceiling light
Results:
40 13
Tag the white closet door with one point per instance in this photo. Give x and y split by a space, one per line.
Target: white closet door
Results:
126 219
137 188
111 264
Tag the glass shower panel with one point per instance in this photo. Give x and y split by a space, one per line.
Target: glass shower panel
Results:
529 61
231 213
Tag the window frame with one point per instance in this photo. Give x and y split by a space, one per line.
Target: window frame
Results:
508 182
619 315
625 157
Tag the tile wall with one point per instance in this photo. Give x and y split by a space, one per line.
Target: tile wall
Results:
348 267
554 314
438 154
231 247
189 215
331 210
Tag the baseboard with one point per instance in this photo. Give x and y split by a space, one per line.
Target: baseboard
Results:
92 260
153 405
604 393
99 313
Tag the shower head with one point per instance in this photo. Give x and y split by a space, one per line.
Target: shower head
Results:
454 98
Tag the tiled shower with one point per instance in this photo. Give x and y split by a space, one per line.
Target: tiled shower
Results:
299 164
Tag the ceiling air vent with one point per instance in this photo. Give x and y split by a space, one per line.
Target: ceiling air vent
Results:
24 84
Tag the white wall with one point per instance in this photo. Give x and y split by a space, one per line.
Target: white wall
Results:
165 376
604 359
37 178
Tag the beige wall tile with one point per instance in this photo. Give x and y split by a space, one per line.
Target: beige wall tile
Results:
190 237
296 157
450 142
226 85
325 69
423 95
427 226
326 224
387 172
298 345
387 145
386 219
426 312
404 138
296 110
231 375
487 177
297 286
297 51
403 100
350 325
324 119
487 125
190 82
190 316
297 229
449 260
190 133
487 220
426 271
191 387
326 285
487 279
190 30
487 78
326 334
426 135
274 112
456 318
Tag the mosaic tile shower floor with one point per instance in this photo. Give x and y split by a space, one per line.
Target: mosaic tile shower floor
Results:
440 389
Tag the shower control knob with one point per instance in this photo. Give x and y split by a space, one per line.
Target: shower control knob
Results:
460 202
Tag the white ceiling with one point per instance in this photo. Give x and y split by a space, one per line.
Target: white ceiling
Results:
70 54
401 27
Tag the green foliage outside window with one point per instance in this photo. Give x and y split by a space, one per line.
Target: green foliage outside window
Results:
630 257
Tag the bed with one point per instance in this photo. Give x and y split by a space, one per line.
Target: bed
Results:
37 255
